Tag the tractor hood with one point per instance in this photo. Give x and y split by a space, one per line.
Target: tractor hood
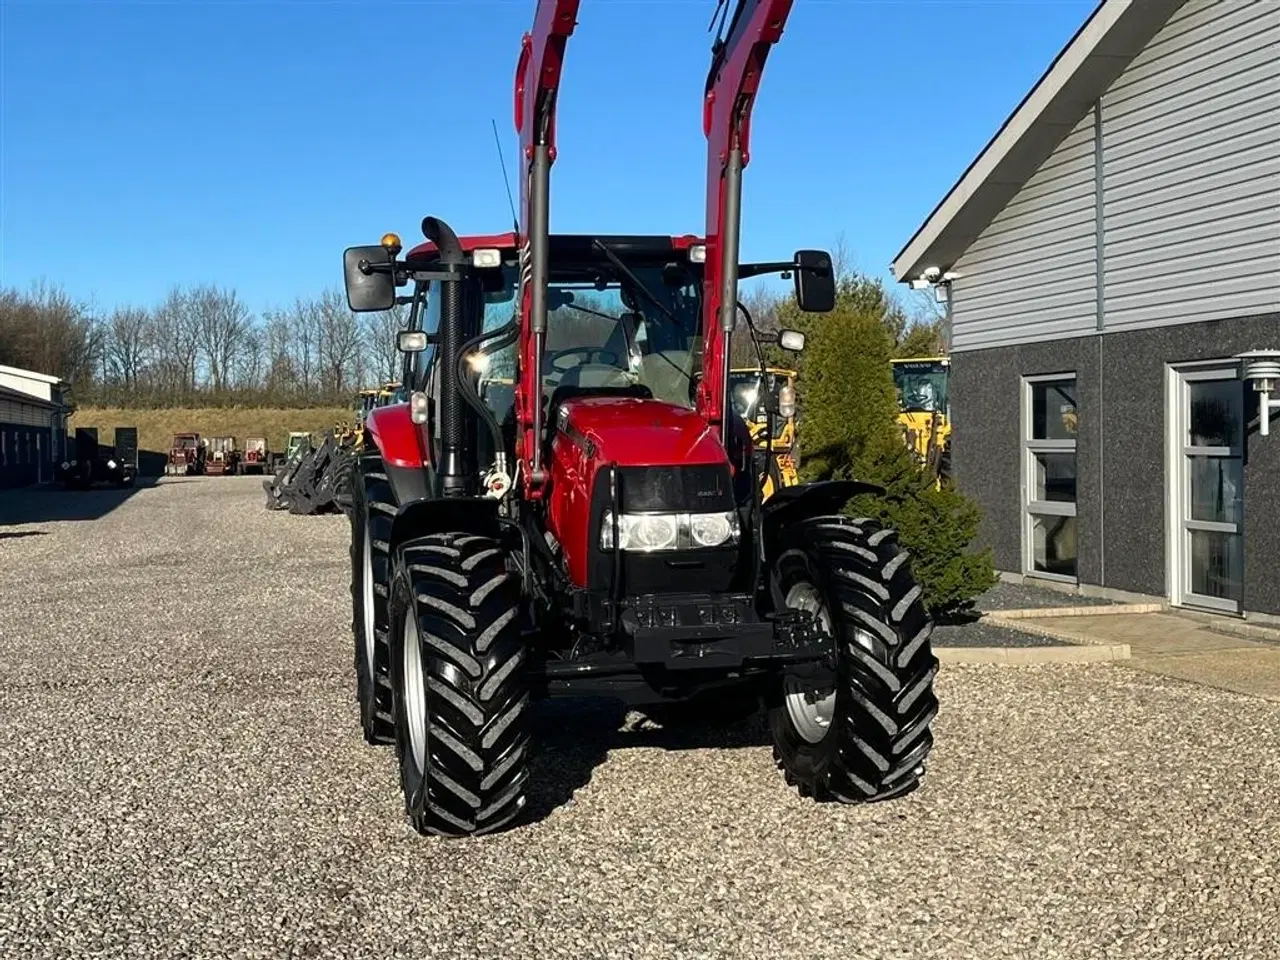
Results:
636 432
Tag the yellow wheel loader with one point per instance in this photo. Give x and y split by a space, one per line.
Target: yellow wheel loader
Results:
759 401
924 410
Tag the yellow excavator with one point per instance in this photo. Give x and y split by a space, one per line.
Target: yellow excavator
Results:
924 410
754 397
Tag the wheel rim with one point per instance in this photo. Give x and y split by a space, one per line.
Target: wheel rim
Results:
811 701
415 700
366 591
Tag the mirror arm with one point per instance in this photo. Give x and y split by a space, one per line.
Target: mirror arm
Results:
779 266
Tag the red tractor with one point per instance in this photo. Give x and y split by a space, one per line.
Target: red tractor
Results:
603 531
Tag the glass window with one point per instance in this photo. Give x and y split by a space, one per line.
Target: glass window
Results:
1216 406
1215 488
1053 410
603 330
1050 419
1215 564
1054 545
921 385
1055 477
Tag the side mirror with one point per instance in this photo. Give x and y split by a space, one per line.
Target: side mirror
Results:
370 277
792 340
815 281
412 341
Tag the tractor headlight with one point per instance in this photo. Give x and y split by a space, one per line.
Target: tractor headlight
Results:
713 529
111 464
418 403
650 532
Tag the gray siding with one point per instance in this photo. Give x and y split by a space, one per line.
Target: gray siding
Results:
1042 248
1191 161
1189 176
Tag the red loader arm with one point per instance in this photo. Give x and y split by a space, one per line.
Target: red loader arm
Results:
736 65
537 83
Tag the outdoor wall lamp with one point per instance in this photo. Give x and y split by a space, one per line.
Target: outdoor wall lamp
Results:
1262 368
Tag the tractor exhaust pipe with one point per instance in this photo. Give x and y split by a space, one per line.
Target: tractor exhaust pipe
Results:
454 477
730 236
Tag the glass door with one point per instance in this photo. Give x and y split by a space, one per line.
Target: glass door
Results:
1208 490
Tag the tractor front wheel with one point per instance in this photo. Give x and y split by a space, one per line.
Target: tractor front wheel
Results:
857 729
373 509
461 685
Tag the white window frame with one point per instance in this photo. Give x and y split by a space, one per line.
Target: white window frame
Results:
1029 508
1178 377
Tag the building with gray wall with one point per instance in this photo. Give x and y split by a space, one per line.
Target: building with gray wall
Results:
1105 259
33 426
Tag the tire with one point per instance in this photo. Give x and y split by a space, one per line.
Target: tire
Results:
372 512
460 683
877 736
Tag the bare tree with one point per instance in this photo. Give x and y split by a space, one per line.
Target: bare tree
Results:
339 341
380 330
303 337
176 338
127 346
221 323
46 330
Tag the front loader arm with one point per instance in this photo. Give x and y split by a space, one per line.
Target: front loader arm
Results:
737 62
537 83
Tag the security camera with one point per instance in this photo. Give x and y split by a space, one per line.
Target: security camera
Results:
931 274
1262 369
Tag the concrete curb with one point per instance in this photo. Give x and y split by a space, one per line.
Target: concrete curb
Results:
995 616
1082 653
1229 626
1058 633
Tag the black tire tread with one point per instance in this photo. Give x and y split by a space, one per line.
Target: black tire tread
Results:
374 500
885 734
467 603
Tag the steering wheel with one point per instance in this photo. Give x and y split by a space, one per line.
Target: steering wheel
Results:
592 355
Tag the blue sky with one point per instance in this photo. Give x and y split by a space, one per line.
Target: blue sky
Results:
147 144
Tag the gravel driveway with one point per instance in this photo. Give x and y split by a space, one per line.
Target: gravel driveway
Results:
182 775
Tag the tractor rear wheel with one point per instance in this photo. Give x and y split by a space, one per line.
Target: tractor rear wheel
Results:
857 730
461 685
373 509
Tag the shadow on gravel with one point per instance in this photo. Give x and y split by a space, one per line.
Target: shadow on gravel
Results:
19 534
572 737
54 503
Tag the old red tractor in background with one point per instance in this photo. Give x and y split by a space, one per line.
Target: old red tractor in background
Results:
186 454
599 528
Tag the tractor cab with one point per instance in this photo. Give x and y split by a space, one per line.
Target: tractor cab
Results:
755 397
924 409
299 443
222 457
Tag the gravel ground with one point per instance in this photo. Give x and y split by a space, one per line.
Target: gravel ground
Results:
182 775
1009 596
1014 596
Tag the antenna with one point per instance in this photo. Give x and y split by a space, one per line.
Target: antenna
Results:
506 179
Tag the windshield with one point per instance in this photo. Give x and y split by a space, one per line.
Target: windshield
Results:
604 332
921 386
